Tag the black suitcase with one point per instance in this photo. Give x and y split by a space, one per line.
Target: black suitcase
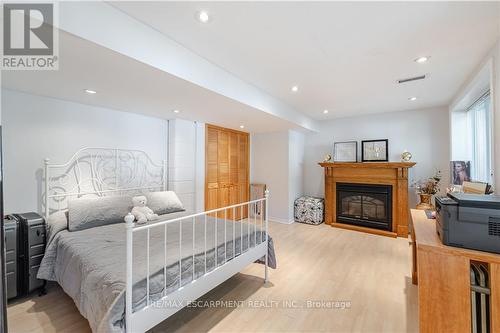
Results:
10 227
31 248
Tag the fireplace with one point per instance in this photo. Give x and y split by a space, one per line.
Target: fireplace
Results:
365 205
392 174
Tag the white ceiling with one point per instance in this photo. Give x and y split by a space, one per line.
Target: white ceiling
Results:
344 56
129 85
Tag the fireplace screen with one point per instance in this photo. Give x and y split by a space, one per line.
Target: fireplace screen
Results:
365 205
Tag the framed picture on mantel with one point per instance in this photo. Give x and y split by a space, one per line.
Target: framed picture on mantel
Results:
375 150
345 151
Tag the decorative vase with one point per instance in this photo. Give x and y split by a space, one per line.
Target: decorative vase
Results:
406 156
425 202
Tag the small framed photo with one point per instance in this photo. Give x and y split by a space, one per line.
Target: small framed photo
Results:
375 150
345 151
460 172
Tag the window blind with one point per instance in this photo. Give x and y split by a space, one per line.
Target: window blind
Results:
479 144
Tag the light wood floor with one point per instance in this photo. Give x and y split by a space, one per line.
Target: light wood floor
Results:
317 263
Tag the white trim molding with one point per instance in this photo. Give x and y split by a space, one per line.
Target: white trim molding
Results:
280 220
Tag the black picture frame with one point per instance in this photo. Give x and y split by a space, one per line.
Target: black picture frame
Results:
335 155
385 158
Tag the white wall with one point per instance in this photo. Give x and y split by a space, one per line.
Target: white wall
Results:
37 127
269 164
496 114
424 133
459 143
296 142
200 168
287 161
277 159
470 90
186 162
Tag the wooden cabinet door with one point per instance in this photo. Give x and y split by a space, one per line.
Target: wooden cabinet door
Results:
223 168
234 187
244 172
227 169
443 288
211 169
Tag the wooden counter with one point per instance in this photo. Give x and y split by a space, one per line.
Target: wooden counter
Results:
443 276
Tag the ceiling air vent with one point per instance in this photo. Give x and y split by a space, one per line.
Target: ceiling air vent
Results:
416 78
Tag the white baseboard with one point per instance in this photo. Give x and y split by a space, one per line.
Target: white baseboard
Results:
280 220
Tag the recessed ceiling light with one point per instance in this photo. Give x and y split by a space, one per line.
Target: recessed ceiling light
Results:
203 16
176 111
242 126
325 111
421 60
295 88
90 91
412 98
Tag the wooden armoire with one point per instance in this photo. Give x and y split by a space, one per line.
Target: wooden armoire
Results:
227 167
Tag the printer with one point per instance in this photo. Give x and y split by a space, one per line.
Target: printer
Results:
469 221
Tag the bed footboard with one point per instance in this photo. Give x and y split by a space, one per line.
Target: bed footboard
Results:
249 224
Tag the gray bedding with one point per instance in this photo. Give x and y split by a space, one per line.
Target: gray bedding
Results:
90 264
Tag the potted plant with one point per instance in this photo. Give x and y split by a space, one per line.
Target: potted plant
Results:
426 189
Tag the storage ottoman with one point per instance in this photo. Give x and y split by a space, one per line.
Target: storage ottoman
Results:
309 210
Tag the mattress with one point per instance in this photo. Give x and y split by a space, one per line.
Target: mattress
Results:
90 264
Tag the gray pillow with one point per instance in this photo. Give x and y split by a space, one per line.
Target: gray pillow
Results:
55 223
165 202
87 213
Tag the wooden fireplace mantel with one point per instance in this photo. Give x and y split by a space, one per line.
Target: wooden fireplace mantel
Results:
394 174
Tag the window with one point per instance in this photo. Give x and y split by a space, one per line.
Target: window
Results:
479 138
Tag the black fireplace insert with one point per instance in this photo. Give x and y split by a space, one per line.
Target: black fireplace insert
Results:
365 205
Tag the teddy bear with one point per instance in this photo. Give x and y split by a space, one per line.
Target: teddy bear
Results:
141 212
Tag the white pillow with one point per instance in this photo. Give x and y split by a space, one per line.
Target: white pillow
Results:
165 202
87 213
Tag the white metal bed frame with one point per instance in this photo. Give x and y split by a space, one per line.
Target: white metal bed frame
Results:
111 171
97 171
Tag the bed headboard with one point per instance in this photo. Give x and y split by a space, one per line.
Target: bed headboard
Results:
101 172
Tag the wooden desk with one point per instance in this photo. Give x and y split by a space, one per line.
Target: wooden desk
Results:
443 277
